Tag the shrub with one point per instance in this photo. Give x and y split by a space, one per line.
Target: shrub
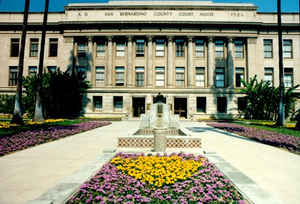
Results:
7 103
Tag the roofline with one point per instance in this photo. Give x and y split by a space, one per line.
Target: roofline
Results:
32 12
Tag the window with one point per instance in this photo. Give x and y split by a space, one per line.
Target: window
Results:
81 72
269 75
179 76
100 48
288 77
179 48
120 49
220 77
287 49
14 47
118 102
160 76
97 103
268 48
51 68
219 48
242 104
160 48
199 48
53 45
139 76
238 49
200 76
201 104
34 47
13 76
239 76
120 76
140 48
32 70
221 104
100 74
82 47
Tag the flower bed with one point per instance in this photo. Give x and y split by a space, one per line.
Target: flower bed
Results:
176 178
30 138
268 137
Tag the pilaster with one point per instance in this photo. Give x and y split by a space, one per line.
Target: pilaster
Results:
129 63
210 63
149 63
170 72
190 69
230 64
109 70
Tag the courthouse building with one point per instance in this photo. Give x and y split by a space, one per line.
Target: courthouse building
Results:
195 53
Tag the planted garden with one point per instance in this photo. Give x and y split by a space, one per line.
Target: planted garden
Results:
35 133
176 178
291 143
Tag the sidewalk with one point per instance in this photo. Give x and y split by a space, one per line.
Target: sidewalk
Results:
274 170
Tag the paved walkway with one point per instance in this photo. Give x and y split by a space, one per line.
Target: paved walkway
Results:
27 174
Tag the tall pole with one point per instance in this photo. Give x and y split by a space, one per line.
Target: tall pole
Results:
38 113
281 113
17 115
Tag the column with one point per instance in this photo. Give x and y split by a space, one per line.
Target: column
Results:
190 69
149 64
170 62
90 61
254 59
94 65
230 68
210 63
129 63
109 69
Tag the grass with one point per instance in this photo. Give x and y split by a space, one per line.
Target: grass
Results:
270 127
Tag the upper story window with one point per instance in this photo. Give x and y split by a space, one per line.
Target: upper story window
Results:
159 76
288 77
32 70
100 70
139 76
140 48
238 49
219 48
220 77
287 48
53 46
179 47
34 47
82 47
179 76
14 47
13 76
199 48
120 76
200 76
160 48
120 49
100 48
239 76
268 77
268 48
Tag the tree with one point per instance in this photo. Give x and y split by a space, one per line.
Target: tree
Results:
38 113
17 115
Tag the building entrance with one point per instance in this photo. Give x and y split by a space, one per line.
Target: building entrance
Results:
138 106
180 107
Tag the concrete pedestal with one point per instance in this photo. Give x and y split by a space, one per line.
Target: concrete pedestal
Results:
160 140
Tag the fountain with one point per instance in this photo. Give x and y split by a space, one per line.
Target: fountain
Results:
159 129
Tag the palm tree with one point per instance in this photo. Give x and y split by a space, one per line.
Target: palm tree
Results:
17 115
38 113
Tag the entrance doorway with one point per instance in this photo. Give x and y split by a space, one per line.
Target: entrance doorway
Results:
180 107
138 106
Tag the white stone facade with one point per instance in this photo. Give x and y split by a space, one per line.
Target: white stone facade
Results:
192 52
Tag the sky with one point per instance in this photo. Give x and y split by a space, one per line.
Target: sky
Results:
58 5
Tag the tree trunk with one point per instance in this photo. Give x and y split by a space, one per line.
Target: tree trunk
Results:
17 116
38 113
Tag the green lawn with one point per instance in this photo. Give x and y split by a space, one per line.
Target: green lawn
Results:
282 130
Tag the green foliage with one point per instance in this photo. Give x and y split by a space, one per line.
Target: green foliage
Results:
7 103
263 100
297 118
62 94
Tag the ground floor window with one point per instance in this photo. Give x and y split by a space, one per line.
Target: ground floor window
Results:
221 104
51 68
118 102
97 103
242 104
288 77
13 76
201 104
